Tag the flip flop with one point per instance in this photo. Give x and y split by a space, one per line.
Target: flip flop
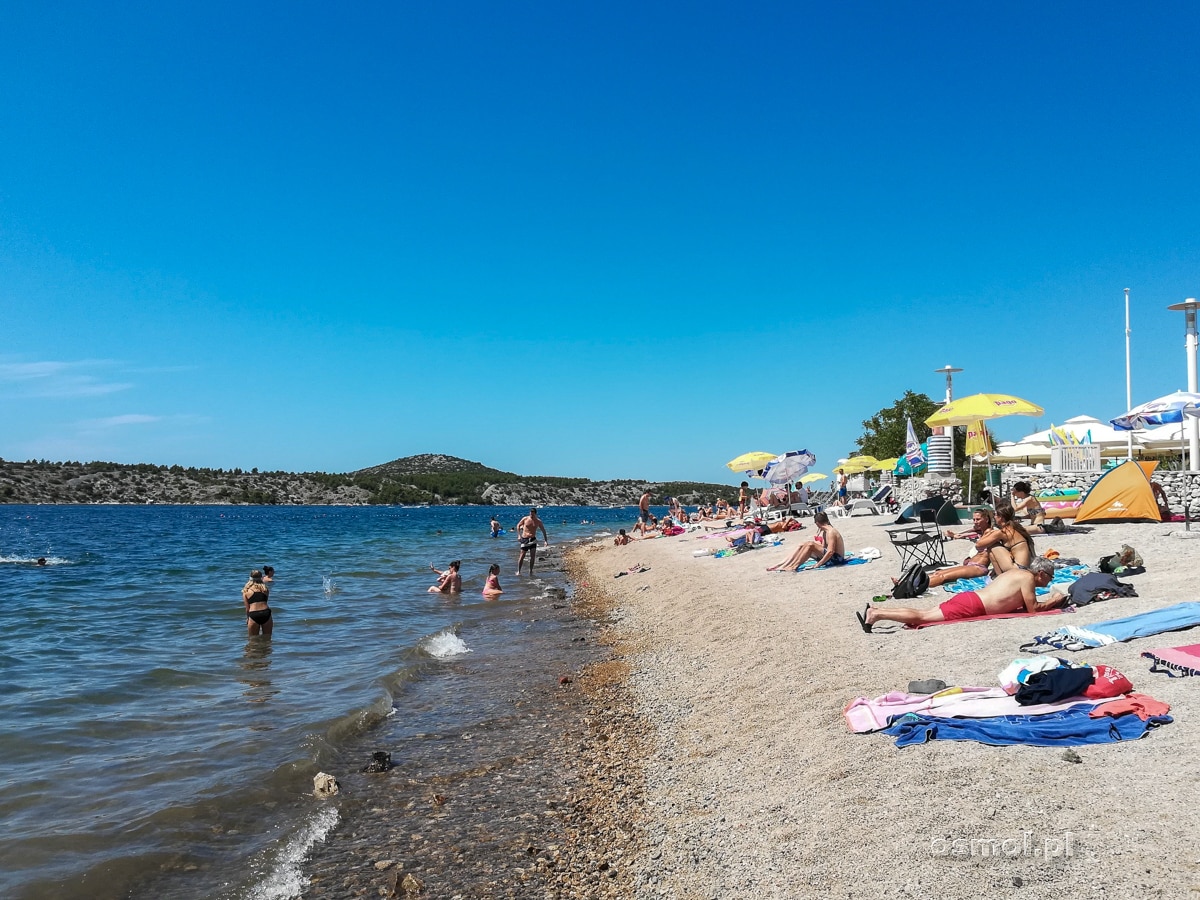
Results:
862 620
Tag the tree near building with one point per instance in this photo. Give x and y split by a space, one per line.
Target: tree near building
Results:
885 433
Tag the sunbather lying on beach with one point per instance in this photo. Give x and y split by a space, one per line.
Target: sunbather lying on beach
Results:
1014 591
828 548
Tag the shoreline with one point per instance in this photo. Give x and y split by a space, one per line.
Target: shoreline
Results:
549 810
754 786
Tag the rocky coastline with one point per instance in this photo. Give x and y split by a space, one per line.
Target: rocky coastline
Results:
427 479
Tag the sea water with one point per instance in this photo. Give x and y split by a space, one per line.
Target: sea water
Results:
149 747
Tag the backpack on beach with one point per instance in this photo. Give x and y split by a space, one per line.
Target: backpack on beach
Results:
913 583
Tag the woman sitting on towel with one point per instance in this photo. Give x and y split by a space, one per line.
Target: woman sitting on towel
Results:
1027 506
1009 546
973 566
828 548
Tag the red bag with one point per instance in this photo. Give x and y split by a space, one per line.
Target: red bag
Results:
1108 683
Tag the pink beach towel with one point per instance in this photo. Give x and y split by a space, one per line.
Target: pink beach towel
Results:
1015 615
864 715
1175 661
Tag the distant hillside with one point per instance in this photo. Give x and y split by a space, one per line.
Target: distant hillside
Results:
426 478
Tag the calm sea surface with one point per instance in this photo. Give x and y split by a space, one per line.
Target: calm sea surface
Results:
149 748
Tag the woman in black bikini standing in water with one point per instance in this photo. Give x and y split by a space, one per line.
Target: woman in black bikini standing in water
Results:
258 611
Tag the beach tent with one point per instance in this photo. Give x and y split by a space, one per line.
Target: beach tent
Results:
1122 494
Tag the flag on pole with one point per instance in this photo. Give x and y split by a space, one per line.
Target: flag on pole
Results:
912 448
977 439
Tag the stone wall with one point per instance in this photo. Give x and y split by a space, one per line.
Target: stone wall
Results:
913 490
1178 486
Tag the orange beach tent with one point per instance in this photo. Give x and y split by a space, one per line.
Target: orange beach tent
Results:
1122 494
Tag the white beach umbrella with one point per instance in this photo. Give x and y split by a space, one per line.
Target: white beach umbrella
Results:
1024 451
1085 429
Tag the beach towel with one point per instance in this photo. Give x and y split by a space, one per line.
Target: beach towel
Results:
1012 615
865 715
1072 727
850 561
1175 662
1063 578
1101 634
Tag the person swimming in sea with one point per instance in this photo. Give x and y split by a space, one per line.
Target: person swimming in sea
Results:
492 587
496 529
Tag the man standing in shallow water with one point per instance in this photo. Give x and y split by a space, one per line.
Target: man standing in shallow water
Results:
527 530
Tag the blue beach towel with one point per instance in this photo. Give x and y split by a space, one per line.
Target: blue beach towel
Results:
1067 728
1063 578
1101 634
812 564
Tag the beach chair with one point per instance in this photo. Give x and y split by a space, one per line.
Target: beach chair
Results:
919 543
862 505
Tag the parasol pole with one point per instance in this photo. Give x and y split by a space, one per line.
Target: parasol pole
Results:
1128 383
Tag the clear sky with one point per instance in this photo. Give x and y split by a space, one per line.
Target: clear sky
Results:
598 239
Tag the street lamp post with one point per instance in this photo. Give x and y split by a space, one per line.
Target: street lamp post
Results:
1189 307
1128 382
949 371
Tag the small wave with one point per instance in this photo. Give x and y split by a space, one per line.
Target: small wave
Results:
32 560
329 586
445 644
286 879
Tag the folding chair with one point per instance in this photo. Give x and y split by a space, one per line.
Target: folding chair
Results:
919 543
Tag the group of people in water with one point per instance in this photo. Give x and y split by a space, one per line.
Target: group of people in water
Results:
450 580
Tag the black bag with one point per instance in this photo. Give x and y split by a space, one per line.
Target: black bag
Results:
913 583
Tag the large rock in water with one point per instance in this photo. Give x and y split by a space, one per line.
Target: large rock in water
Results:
325 785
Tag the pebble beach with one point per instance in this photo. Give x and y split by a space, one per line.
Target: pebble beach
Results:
741 778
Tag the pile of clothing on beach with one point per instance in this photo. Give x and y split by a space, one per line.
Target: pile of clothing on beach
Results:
1043 701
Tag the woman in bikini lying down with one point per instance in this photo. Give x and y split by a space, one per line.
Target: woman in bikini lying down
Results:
973 566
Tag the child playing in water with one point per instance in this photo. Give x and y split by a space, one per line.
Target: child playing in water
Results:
492 587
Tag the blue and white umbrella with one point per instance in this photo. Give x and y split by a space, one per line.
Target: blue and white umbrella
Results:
1169 409
788 467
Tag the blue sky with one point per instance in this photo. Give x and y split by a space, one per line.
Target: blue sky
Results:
591 239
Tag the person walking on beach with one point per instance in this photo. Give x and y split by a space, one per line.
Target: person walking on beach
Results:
491 587
1014 591
744 498
449 581
527 530
258 612
828 547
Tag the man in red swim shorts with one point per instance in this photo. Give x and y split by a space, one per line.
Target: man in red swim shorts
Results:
1014 591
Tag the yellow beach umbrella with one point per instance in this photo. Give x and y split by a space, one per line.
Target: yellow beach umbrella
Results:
811 477
864 460
885 465
969 410
750 462
848 469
